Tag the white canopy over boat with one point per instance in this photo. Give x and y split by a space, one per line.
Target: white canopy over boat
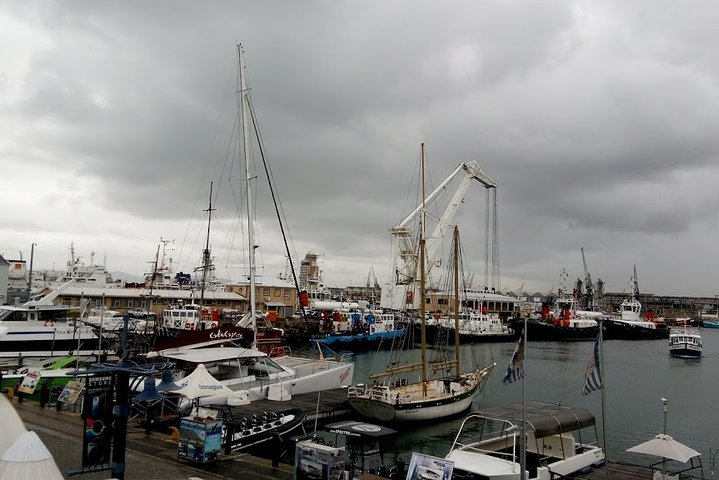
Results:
201 384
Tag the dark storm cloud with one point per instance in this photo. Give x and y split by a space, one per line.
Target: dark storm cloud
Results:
596 120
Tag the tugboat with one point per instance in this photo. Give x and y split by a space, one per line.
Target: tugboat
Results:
629 325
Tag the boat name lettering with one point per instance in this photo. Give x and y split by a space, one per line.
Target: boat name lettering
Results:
210 387
225 334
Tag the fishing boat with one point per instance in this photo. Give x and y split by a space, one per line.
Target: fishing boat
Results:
362 329
487 445
400 399
563 322
685 343
474 327
629 324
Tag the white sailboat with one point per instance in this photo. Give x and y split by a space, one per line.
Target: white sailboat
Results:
393 399
328 372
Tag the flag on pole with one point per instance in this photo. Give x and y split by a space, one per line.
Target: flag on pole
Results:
515 370
593 375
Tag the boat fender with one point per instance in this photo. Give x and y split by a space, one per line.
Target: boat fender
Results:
372 329
213 325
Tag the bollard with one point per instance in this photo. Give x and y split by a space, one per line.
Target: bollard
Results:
58 403
44 395
228 438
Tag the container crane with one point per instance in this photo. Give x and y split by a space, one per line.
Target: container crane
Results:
588 300
399 293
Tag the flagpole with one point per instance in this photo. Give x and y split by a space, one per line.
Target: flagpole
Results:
523 430
604 400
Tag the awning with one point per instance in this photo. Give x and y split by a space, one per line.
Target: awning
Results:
214 354
543 418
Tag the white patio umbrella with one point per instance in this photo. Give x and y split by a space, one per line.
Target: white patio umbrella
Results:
12 424
200 383
28 459
663 445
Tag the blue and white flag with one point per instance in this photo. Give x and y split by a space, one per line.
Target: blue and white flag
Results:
515 370
593 375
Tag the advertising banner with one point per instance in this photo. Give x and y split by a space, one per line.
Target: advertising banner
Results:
200 440
29 382
427 467
97 415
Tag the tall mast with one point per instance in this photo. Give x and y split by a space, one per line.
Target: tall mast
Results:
422 280
455 242
206 253
244 111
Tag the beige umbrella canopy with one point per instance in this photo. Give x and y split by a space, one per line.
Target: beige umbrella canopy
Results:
665 446
12 425
28 459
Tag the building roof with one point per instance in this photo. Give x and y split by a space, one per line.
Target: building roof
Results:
88 291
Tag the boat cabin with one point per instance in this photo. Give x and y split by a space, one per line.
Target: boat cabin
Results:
488 443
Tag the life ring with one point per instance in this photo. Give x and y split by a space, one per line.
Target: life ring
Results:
49 323
189 326
372 329
213 325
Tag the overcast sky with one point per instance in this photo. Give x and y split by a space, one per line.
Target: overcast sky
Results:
598 121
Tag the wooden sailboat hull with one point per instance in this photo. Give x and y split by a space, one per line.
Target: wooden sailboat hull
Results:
407 403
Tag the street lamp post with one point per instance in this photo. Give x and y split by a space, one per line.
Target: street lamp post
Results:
664 402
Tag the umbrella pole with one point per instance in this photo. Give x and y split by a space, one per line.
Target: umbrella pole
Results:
664 460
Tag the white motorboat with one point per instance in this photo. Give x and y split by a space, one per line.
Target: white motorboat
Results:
262 376
40 329
488 443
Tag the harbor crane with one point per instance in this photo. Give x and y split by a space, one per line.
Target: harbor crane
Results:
588 300
399 293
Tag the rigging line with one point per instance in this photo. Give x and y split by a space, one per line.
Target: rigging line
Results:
275 202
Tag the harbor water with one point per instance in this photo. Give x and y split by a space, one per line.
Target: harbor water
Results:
637 375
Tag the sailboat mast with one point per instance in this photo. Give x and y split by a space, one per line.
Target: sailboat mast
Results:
456 300
244 109
206 253
422 280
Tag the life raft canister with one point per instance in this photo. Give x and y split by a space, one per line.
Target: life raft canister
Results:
304 299
409 297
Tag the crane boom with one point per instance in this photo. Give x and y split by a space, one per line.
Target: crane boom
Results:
588 286
407 261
